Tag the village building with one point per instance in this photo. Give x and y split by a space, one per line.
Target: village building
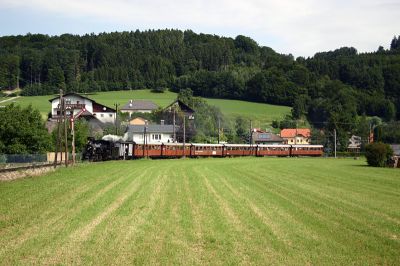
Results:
179 106
75 103
138 106
354 144
150 134
179 114
138 121
300 136
268 138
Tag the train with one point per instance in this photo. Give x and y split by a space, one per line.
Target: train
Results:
102 150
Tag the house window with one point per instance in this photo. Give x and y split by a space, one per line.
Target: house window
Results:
111 115
101 115
156 136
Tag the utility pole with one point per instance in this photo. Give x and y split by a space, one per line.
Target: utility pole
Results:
251 133
334 135
65 132
174 126
144 137
73 139
145 141
58 129
219 126
184 134
144 133
116 118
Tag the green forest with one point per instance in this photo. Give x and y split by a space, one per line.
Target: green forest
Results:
331 89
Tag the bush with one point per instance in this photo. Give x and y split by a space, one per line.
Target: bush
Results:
378 154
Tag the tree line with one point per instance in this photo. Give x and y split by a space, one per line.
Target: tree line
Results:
330 89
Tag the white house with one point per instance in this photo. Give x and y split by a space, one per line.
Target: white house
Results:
152 133
75 103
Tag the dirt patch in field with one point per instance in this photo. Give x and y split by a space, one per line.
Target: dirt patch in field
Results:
8 176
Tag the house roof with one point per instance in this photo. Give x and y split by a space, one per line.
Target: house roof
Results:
70 94
168 129
139 105
292 132
181 106
97 107
266 137
86 113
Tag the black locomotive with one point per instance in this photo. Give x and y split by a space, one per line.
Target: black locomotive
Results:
101 150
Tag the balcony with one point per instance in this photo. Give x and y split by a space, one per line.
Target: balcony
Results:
73 106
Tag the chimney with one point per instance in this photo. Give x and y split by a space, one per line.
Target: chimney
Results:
162 122
130 103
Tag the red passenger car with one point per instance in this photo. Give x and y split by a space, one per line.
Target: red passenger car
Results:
206 150
171 150
148 150
307 150
239 150
273 150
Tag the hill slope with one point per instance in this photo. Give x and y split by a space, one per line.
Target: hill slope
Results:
261 114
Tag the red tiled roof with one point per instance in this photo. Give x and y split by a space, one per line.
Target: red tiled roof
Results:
291 132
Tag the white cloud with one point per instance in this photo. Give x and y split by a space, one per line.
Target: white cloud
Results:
297 27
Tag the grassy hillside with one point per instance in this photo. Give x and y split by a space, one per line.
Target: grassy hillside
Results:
204 211
261 114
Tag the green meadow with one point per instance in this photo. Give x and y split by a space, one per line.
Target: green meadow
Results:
261 114
261 211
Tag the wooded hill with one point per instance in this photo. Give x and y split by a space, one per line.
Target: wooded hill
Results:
329 88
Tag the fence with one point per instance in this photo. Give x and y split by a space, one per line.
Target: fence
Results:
23 158
7 160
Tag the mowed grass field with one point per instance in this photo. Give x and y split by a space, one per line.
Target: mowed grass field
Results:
260 113
204 211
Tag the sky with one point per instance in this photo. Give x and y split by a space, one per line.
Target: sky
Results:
301 28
